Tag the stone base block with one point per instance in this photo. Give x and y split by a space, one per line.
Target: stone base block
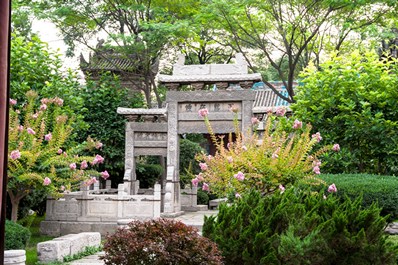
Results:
60 228
14 257
194 208
53 250
171 215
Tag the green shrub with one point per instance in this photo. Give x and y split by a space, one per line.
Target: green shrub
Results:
299 227
351 100
148 174
203 198
16 236
159 242
374 188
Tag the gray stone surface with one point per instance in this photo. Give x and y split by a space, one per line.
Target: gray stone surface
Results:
53 250
14 257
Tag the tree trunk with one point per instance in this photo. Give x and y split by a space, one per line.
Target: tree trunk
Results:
15 200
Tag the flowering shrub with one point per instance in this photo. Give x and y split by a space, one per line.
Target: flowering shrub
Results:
300 227
37 159
278 159
160 242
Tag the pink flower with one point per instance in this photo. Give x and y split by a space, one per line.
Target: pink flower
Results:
336 147
48 137
91 181
203 112
15 154
281 111
72 166
239 176
98 145
105 174
200 177
255 121
83 165
62 188
46 181
230 159
317 136
34 116
209 157
31 131
281 188
205 187
44 101
18 111
58 101
98 160
244 148
316 170
237 195
65 154
43 107
13 101
275 155
316 163
332 188
195 182
203 166
59 151
297 124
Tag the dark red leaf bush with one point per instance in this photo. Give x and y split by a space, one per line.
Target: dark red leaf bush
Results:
160 242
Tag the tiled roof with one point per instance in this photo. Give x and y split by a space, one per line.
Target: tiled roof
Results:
109 62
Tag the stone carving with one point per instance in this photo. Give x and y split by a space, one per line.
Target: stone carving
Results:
143 136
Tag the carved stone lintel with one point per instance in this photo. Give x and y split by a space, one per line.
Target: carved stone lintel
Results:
198 85
222 85
246 84
172 86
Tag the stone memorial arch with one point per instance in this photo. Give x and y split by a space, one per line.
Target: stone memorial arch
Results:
157 132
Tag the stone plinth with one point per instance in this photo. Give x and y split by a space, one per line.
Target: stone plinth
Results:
14 257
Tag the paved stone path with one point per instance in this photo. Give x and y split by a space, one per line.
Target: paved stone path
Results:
194 219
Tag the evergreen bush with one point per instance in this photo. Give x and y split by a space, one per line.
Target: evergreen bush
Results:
16 236
159 242
300 227
373 188
148 174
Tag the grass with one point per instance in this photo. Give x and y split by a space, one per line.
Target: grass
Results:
31 248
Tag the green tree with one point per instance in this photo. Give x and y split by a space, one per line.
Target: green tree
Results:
297 31
38 155
351 100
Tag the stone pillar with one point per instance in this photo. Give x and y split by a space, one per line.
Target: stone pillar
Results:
247 114
157 197
129 173
172 195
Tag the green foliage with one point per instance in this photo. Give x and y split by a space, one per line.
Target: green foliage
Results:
101 100
283 156
188 165
351 100
148 174
160 241
36 160
16 236
202 198
299 227
373 188
88 250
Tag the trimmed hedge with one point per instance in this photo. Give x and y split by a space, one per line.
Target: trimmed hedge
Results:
300 227
16 236
375 188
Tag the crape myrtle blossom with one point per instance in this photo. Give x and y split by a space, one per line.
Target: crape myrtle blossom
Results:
200 177
59 151
281 188
230 159
203 166
13 101
46 181
34 116
317 136
203 112
297 124
20 128
91 181
31 131
105 174
83 165
98 160
48 137
43 107
195 182
336 147
205 187
255 121
15 154
98 145
237 195
332 188
281 111
239 176
316 170
72 166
